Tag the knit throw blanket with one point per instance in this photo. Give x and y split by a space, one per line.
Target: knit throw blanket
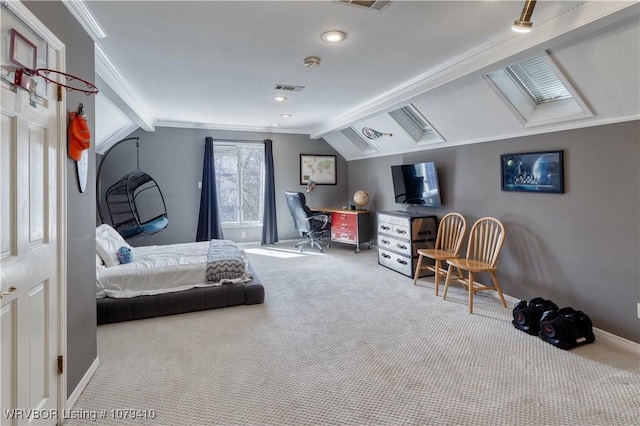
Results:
225 263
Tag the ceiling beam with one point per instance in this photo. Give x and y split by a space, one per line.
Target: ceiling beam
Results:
115 87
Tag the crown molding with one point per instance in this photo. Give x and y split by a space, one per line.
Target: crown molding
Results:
573 125
235 128
105 144
81 12
553 24
115 87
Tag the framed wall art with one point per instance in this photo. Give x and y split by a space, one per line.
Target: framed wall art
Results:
533 171
320 169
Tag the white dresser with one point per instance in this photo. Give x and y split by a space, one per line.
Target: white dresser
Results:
400 235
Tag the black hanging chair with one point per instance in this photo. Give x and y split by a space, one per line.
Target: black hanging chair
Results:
135 203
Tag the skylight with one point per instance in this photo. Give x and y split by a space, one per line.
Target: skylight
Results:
537 78
415 125
417 118
537 92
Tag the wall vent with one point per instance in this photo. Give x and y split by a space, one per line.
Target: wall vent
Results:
378 5
288 87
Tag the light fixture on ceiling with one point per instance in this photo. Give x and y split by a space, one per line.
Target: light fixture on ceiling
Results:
280 98
311 61
285 115
275 124
334 36
524 24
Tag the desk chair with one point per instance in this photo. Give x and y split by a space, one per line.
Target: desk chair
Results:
448 242
310 225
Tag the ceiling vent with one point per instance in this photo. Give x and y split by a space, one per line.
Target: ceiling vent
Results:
371 5
288 87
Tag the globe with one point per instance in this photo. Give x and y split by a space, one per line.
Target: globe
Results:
361 198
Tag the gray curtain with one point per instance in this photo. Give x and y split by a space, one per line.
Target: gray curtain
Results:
209 223
269 220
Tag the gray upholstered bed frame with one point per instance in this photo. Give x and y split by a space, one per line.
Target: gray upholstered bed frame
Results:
196 299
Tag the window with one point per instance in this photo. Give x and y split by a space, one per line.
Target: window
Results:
537 92
416 125
413 113
538 79
240 183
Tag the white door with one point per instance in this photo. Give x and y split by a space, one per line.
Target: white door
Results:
30 255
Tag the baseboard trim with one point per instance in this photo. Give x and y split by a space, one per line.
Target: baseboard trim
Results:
73 398
600 334
616 340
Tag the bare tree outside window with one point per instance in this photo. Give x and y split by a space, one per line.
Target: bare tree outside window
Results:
240 181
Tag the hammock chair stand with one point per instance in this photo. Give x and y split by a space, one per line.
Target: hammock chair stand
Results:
135 203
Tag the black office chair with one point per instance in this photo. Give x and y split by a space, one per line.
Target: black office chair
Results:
309 224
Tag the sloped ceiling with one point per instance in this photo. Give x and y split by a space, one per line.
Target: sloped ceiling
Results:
214 65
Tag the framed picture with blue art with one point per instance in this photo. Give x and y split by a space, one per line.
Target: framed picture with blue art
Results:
533 171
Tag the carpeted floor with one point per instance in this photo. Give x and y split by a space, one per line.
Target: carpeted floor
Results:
342 340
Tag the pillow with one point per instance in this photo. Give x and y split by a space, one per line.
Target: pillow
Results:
99 262
108 241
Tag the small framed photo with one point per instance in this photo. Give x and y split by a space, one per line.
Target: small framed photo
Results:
533 171
320 169
22 52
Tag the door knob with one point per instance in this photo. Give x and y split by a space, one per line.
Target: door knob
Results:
6 293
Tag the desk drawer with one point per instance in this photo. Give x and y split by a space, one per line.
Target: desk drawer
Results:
343 236
344 222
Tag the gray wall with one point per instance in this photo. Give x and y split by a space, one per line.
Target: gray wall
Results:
579 249
174 158
81 273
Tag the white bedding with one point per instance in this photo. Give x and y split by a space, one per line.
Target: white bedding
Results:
158 270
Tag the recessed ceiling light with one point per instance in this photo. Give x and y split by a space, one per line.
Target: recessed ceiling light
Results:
275 124
334 36
285 115
279 98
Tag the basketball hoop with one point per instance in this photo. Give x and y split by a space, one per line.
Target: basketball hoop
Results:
80 85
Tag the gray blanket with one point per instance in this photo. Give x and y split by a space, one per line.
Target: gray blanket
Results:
225 262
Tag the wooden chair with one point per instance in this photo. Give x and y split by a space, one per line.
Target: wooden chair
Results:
485 242
448 242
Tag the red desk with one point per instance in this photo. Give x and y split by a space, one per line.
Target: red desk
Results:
349 226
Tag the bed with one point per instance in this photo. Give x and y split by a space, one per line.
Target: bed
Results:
170 279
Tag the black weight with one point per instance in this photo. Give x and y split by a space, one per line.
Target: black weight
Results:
526 316
566 328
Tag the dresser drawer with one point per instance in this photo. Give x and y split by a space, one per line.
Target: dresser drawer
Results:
424 229
394 244
395 261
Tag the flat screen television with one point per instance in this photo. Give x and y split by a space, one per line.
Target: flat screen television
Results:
416 184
